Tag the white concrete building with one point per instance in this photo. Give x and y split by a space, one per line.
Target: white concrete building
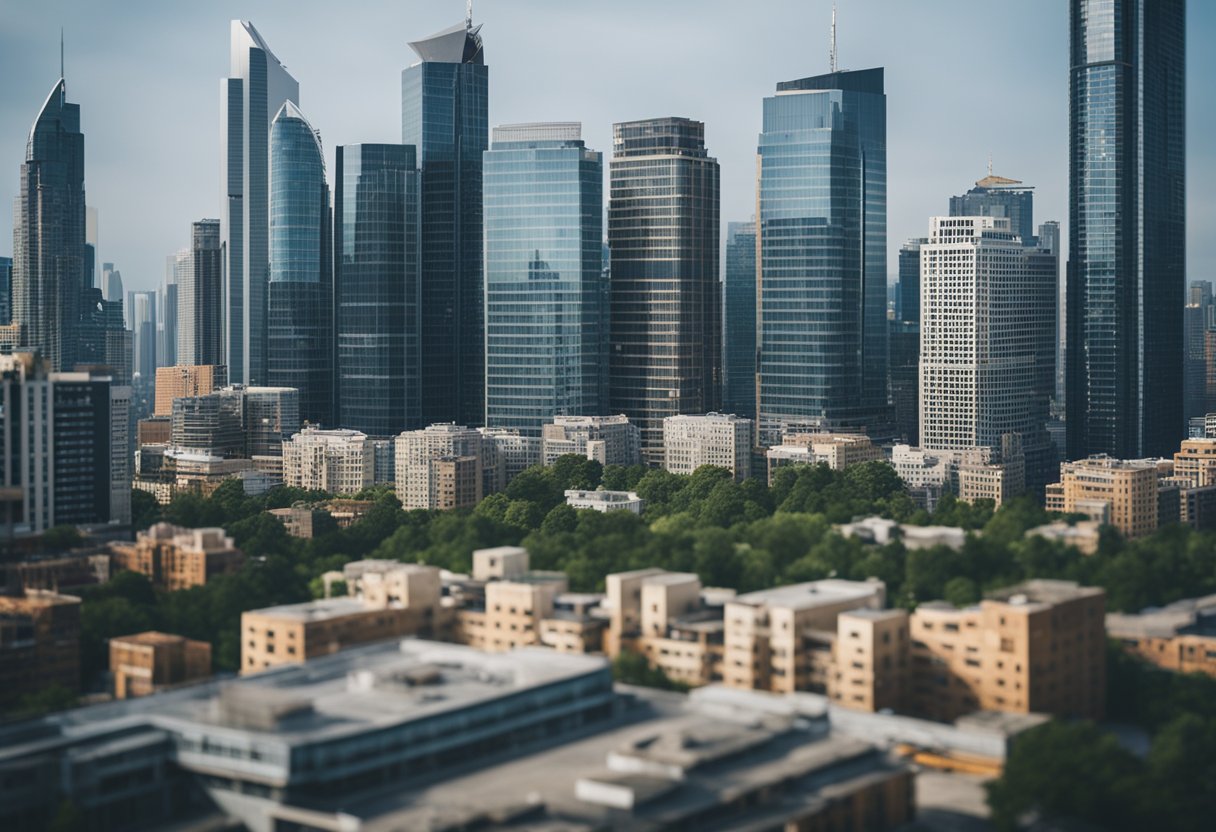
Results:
337 461
604 501
720 439
505 454
418 459
611 440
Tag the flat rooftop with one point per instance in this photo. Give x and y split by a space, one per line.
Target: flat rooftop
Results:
811 594
1043 592
319 610
1190 616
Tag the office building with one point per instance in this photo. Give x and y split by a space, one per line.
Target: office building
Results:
611 440
174 558
666 315
739 320
905 345
271 417
167 302
1127 228
39 644
1180 636
186 380
444 99
506 453
151 662
48 277
199 325
376 288
1038 647
6 291
299 312
334 461
213 422
256 88
1115 492
545 295
439 467
986 366
822 224
60 431
720 439
999 196
103 339
835 450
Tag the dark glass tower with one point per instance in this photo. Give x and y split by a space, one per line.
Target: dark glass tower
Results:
1127 234
546 315
444 116
257 87
300 306
739 321
905 345
997 196
666 330
48 233
376 288
199 298
6 291
823 236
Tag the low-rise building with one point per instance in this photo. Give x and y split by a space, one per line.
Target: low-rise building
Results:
1180 637
836 450
506 454
610 440
175 558
1196 460
603 501
721 439
336 461
439 467
39 644
1121 493
147 663
880 531
1084 535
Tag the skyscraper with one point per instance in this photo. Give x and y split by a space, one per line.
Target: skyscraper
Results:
999 196
257 87
111 283
143 332
666 306
376 288
200 298
444 116
6 291
905 345
739 321
300 312
166 345
823 228
1127 234
49 233
546 311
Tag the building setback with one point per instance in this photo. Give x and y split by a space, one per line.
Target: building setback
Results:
666 328
822 224
1127 228
546 296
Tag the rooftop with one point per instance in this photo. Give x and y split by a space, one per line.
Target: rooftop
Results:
1044 592
1191 616
813 594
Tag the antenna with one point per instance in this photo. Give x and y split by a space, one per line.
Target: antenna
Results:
468 14
990 164
832 51
61 52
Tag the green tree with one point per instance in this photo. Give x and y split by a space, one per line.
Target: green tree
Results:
632 669
145 511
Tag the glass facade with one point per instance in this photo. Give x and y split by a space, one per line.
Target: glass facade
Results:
546 299
48 280
300 324
199 298
995 196
6 291
257 87
1127 234
444 116
739 321
666 319
904 347
377 288
822 225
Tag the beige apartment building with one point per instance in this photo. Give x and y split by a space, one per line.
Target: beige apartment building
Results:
1037 647
871 664
836 450
439 467
1120 493
186 380
146 663
1196 461
1180 637
336 461
39 643
176 558
720 439
610 440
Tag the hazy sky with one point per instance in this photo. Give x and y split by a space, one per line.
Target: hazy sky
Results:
964 78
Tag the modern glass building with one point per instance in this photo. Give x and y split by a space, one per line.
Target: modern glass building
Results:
49 233
823 229
257 87
739 321
904 347
200 298
6 291
1127 229
300 350
377 288
444 116
546 302
666 325
998 196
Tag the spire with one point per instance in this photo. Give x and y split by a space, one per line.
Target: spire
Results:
468 15
990 164
832 50
61 73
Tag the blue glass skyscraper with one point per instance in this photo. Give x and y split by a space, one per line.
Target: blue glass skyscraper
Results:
739 321
257 87
546 312
376 288
444 115
300 304
49 234
1127 229
823 234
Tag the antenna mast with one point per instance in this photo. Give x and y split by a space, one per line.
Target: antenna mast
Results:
832 51
60 51
468 14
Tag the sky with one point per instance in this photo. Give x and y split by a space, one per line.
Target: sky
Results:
965 79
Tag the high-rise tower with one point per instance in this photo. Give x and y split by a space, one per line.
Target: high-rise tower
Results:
257 87
739 321
444 116
199 298
49 233
666 341
1127 229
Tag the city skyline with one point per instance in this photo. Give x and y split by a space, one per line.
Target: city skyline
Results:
703 82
